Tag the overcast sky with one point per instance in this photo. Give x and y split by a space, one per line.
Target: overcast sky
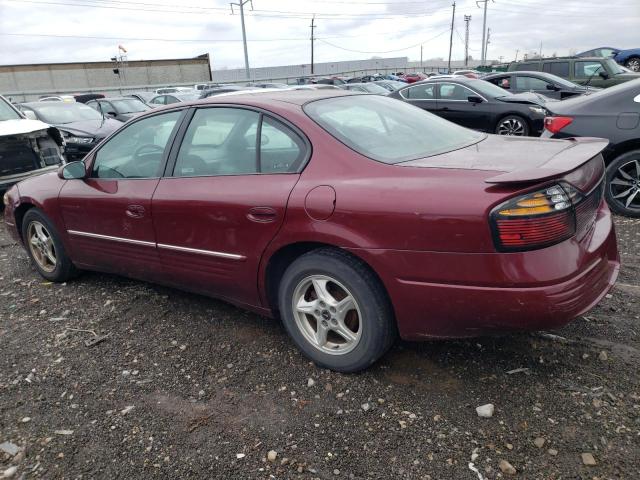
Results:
40 31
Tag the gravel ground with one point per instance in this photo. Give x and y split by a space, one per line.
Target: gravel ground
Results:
188 387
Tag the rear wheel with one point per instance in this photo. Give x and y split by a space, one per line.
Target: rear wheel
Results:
513 125
336 311
623 184
45 248
633 64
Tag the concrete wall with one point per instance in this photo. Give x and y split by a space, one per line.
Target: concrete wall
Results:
93 76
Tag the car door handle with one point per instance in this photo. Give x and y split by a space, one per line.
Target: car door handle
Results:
262 214
135 211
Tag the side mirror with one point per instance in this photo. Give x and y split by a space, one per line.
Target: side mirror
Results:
30 115
112 114
475 99
603 74
550 86
73 171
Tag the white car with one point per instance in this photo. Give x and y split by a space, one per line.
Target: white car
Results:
27 146
165 90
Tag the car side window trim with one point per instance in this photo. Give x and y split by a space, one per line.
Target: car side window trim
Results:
165 155
169 171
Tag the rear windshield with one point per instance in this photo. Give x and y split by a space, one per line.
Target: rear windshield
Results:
388 130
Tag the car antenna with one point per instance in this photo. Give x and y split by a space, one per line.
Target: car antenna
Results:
592 75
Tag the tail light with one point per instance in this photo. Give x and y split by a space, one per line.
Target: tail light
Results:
537 219
555 124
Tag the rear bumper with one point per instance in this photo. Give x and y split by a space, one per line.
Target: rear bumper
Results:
463 295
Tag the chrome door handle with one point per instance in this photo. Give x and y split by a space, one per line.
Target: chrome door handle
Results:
135 211
262 214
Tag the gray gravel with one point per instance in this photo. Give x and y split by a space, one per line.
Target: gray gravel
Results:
181 386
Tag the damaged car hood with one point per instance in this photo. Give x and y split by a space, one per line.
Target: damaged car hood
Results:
21 126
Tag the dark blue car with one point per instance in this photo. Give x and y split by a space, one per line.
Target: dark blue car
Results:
629 58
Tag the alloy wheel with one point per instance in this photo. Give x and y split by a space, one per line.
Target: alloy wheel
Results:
327 314
625 185
41 246
633 64
511 126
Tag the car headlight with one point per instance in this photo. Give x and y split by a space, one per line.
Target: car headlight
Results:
538 110
78 140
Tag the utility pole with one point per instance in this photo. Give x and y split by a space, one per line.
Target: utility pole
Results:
486 45
241 4
453 17
467 19
313 21
421 48
484 28
517 52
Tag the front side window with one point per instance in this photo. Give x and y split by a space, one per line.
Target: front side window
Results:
137 150
587 69
223 141
452 91
159 100
420 92
530 83
386 130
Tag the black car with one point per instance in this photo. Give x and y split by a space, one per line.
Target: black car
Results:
478 104
543 83
82 127
120 108
614 114
169 98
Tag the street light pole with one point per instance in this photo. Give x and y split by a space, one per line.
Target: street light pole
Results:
241 4
453 17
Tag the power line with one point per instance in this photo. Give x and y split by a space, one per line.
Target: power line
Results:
386 51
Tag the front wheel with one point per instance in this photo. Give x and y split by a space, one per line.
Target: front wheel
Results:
633 64
43 245
512 125
623 184
336 310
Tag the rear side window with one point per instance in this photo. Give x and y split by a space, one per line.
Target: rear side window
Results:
387 130
560 69
420 92
528 66
224 141
530 83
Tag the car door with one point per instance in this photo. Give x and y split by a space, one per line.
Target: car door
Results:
588 72
454 105
108 214
225 198
422 95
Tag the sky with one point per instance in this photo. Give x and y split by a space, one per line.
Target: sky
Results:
278 31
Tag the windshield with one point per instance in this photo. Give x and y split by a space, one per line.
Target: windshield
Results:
59 113
7 112
488 89
132 105
561 81
614 67
386 129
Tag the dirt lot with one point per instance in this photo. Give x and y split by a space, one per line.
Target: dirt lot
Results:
188 387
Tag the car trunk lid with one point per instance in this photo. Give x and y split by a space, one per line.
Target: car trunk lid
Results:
511 160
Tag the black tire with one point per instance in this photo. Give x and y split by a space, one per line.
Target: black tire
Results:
618 184
63 269
517 125
633 64
376 320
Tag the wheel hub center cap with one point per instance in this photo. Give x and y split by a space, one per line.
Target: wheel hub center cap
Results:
326 315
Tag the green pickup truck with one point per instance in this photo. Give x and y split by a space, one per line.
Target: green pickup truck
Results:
594 71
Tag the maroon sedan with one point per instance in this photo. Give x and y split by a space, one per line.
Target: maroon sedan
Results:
352 217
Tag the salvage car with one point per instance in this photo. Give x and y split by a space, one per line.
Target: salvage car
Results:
81 126
478 104
614 114
144 97
122 109
589 71
352 217
168 99
543 83
27 147
629 57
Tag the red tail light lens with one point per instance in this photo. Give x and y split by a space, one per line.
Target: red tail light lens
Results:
555 124
537 219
